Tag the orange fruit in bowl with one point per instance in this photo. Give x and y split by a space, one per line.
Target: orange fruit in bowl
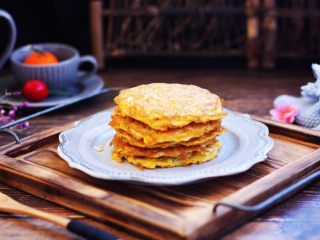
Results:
39 57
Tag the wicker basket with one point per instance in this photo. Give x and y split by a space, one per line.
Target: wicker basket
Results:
261 30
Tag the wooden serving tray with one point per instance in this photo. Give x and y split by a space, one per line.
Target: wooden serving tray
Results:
183 212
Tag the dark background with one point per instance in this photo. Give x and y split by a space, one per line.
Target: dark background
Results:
67 21
64 21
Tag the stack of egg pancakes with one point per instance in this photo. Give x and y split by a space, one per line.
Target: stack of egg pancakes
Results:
166 125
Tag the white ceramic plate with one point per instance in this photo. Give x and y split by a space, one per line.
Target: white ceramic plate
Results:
88 85
245 143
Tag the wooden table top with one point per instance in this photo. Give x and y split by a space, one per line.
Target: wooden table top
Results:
245 91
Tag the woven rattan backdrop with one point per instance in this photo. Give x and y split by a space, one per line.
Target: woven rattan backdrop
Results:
261 30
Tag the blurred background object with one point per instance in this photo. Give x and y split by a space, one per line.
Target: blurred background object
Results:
220 33
262 31
179 30
65 21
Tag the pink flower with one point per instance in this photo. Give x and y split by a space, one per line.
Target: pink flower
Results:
8 113
284 113
12 113
23 125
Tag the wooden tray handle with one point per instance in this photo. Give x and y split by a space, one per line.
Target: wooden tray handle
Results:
274 199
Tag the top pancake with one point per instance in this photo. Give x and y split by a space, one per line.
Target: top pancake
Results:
164 106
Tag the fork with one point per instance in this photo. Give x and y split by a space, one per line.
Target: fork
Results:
7 204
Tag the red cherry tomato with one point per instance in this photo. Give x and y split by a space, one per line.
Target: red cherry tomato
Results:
35 90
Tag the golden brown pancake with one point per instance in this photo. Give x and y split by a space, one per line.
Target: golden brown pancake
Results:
165 162
163 106
205 138
166 125
151 136
128 150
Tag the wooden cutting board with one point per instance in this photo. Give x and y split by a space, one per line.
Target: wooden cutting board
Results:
180 212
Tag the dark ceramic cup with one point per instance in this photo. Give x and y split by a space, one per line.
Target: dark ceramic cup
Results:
57 76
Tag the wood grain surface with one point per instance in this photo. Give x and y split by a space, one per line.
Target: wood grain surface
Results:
250 92
183 212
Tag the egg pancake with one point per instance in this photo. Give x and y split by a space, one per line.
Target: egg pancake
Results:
128 138
166 125
165 162
164 106
151 136
129 150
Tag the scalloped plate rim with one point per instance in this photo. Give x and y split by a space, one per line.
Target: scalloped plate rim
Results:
244 166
